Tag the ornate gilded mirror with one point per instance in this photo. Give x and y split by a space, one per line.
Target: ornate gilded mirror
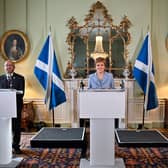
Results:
97 37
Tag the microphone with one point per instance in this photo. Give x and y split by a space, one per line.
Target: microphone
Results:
122 84
82 85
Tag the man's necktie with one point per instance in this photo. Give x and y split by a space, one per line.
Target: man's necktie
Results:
10 81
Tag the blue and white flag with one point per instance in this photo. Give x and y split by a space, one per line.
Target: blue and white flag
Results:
144 74
47 72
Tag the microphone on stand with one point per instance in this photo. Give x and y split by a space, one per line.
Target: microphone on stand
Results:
122 84
82 85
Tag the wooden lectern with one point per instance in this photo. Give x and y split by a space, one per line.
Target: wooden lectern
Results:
102 107
8 111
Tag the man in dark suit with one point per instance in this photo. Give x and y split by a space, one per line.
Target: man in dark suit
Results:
12 80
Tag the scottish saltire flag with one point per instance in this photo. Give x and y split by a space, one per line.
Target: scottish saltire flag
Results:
47 72
144 74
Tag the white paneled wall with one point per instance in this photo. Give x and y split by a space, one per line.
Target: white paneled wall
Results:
153 118
68 112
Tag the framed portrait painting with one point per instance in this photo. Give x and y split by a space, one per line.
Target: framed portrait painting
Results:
15 45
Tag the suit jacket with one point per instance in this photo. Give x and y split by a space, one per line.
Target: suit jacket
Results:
18 83
106 83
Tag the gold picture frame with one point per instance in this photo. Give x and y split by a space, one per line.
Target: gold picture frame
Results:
15 45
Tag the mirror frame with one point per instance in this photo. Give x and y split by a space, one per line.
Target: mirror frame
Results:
79 37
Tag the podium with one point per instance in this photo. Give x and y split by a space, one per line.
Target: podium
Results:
8 111
102 107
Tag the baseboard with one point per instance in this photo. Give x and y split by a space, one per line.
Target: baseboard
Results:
147 124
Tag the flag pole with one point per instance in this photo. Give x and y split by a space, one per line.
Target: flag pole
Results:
53 117
143 115
148 82
141 126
